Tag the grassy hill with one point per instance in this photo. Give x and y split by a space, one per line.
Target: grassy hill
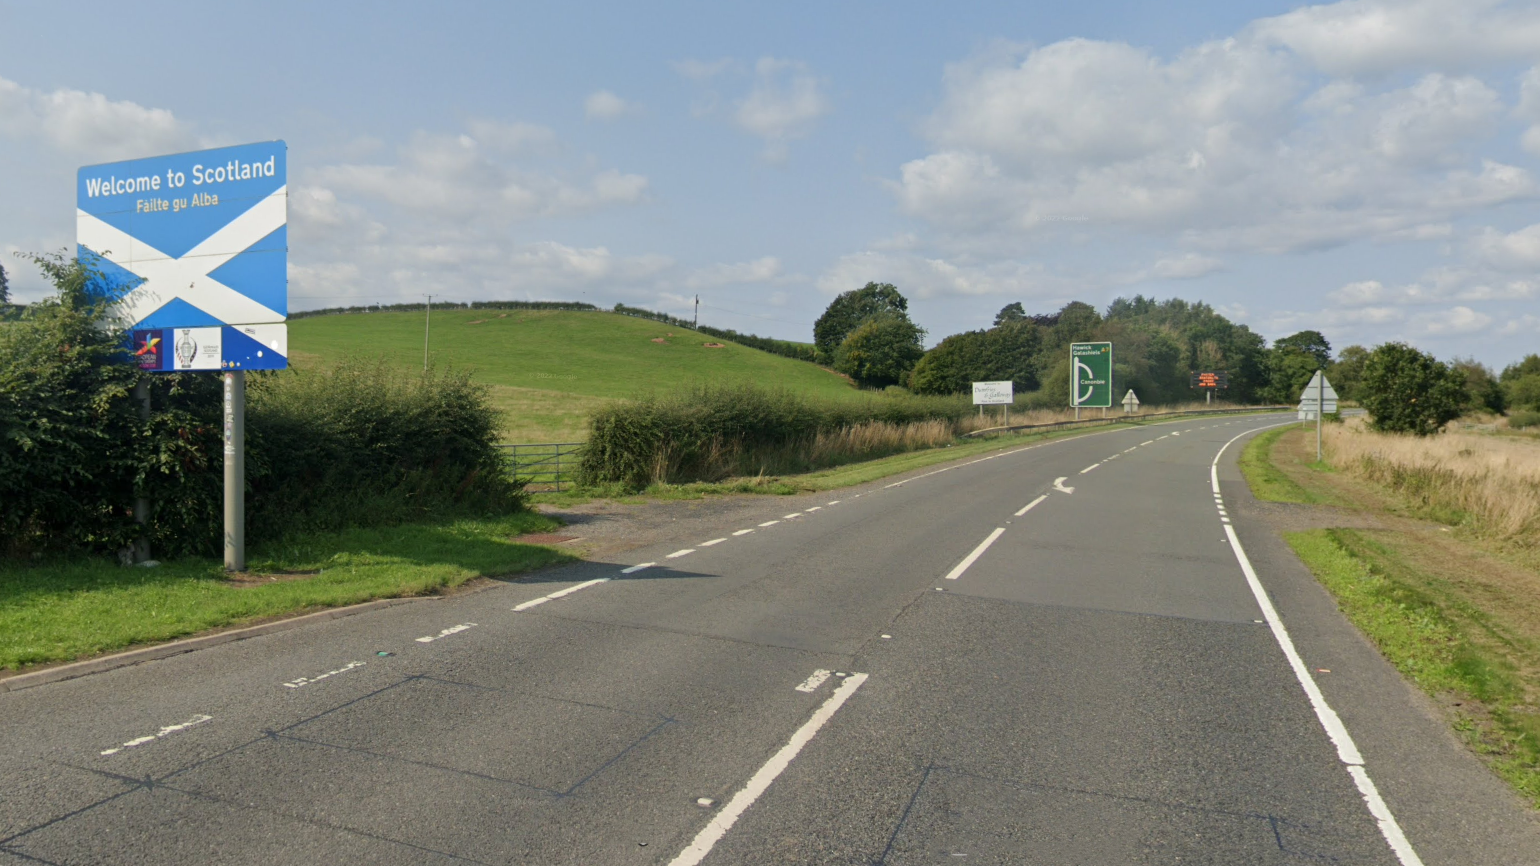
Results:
547 369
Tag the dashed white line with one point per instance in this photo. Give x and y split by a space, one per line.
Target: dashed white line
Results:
815 508
635 568
835 502
723 821
1135 448
678 553
574 588
1031 505
1146 442
711 542
977 552
454 629
812 683
743 532
769 523
305 681
1089 468
166 731
792 515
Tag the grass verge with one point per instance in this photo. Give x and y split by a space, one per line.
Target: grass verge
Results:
63 610
1449 647
1455 613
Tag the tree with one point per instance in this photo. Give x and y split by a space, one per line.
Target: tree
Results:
1530 366
1004 352
1407 391
1311 343
846 313
1012 312
881 351
1289 370
5 288
1482 390
1348 370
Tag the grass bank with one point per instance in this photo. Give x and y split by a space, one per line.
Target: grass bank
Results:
58 611
1455 608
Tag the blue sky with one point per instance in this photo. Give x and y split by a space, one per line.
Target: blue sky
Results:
1367 169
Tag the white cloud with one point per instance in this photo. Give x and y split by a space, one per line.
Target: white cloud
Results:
1185 267
1456 320
1379 36
927 277
761 270
90 124
512 137
1437 286
1515 251
1525 324
1223 147
701 70
785 102
604 105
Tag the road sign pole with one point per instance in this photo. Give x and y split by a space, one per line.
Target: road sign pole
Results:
1320 410
235 470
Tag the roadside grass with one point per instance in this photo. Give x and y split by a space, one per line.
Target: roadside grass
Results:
1455 610
837 477
67 609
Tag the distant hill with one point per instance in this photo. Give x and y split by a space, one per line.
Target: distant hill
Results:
548 369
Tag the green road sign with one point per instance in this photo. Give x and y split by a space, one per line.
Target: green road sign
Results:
1091 375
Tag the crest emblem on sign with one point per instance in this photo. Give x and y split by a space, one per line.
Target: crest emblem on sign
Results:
186 349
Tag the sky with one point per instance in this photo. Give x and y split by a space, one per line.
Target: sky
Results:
1367 169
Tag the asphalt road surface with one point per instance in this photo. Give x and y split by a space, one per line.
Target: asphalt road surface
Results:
1072 653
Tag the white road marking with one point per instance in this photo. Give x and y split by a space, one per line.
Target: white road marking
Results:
1135 448
812 683
1031 505
635 568
770 523
163 732
977 552
1089 468
815 508
1167 436
678 553
1145 442
454 629
792 515
723 821
743 532
305 681
1347 750
574 588
1178 434
1058 484
534 602
711 542
835 502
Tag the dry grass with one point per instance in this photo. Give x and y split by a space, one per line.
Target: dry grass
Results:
1490 482
833 447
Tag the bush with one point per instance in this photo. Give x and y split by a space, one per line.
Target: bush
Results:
1523 419
707 433
1407 391
355 446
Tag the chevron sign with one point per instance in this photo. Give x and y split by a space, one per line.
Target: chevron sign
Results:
194 241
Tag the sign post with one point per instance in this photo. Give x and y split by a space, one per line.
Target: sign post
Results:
1090 382
1130 402
995 394
1315 401
191 250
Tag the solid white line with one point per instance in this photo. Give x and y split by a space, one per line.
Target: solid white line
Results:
743 532
635 568
1347 750
770 523
812 683
534 602
977 552
713 832
1030 505
1089 468
678 553
454 629
711 542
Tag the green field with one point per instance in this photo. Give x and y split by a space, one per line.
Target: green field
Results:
549 369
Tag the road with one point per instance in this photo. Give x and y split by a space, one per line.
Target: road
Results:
1052 655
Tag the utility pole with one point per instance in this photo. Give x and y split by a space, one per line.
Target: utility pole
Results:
427 325
696 321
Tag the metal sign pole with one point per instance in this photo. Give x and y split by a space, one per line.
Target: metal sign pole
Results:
141 551
1320 410
235 470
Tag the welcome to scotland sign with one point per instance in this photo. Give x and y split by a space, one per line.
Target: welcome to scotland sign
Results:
194 240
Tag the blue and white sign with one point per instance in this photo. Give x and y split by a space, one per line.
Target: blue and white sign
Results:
193 241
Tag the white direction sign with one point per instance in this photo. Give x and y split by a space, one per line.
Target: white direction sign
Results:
993 393
1316 393
1130 401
